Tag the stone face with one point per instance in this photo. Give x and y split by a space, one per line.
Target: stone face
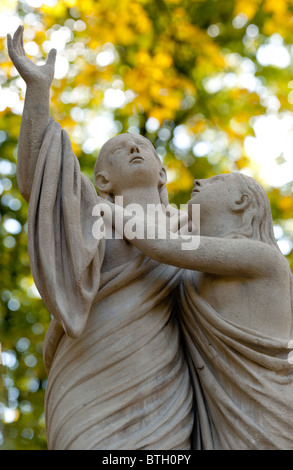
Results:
117 376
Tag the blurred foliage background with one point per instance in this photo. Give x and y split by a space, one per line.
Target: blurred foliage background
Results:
209 82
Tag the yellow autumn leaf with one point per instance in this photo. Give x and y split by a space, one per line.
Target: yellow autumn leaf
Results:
182 180
170 101
197 127
157 74
247 7
59 9
159 113
87 7
71 3
277 7
143 103
286 203
163 60
242 162
142 22
143 57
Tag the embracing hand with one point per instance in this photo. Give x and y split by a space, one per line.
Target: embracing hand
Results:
31 73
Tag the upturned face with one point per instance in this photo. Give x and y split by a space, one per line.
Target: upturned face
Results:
212 191
218 198
131 162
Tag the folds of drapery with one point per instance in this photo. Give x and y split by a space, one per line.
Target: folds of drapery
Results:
124 382
64 256
117 375
243 380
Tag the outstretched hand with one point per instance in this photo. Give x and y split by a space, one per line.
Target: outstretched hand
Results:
31 73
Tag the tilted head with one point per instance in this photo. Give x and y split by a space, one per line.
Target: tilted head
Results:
237 195
128 161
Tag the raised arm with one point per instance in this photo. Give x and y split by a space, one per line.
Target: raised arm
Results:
36 111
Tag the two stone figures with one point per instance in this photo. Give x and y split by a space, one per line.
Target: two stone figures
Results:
151 346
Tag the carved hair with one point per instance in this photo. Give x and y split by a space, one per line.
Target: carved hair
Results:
257 215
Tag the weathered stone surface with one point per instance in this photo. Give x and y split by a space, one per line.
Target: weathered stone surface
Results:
117 374
236 318
117 377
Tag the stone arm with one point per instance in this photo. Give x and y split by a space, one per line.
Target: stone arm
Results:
36 113
219 256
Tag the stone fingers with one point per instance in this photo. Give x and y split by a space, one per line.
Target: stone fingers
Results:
10 47
15 45
52 57
18 41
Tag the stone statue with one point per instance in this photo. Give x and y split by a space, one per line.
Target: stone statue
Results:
235 316
117 376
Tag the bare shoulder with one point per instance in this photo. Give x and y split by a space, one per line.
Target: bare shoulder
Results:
252 257
274 261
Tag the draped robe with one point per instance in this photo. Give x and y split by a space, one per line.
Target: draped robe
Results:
117 376
243 380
